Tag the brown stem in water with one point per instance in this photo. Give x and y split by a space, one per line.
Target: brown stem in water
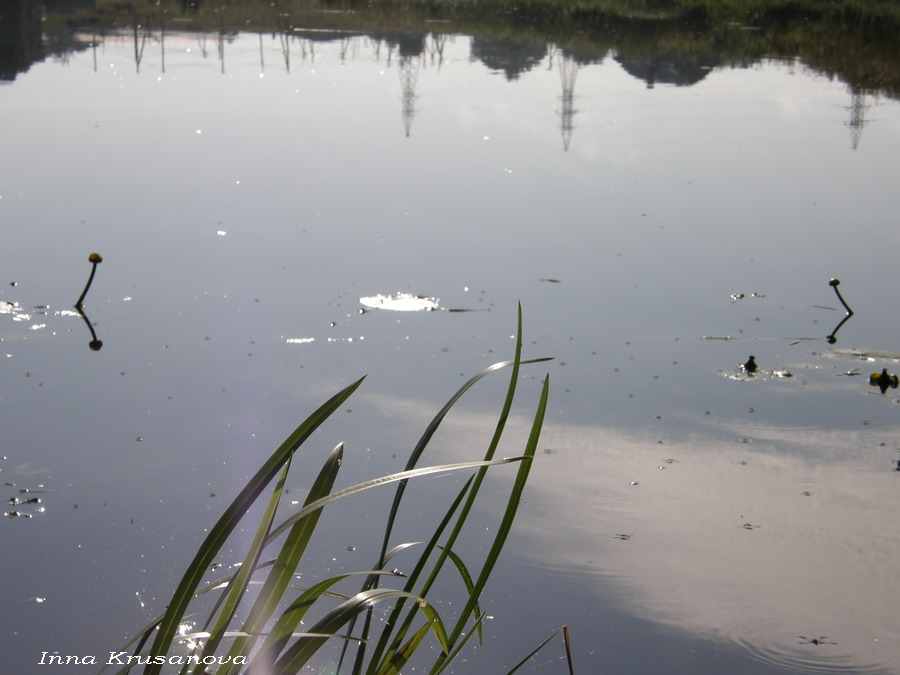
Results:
95 259
834 283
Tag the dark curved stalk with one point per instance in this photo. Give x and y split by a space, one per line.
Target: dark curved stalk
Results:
94 344
834 283
95 259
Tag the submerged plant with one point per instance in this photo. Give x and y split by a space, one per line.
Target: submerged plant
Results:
264 638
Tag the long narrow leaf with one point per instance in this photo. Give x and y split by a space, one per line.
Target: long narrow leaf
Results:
229 520
238 585
479 477
562 629
402 655
291 618
422 444
287 560
433 427
385 480
390 655
302 650
415 574
508 516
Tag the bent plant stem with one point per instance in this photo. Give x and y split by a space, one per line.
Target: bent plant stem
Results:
834 284
95 259
95 344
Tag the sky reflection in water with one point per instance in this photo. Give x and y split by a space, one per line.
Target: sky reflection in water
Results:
677 231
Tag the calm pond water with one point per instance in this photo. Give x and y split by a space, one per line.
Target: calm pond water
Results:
660 216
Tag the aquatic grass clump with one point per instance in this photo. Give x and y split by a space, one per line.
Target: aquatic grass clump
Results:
265 638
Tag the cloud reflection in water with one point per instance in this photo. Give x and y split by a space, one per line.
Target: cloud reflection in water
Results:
753 543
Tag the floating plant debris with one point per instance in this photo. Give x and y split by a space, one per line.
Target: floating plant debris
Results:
401 302
757 376
740 296
407 302
862 354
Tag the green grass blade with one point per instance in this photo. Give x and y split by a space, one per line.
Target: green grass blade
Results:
302 650
288 559
402 655
508 516
426 438
229 520
379 661
283 629
470 586
377 654
385 480
238 585
479 477
433 427
458 647
562 629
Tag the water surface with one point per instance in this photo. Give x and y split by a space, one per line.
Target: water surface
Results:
659 224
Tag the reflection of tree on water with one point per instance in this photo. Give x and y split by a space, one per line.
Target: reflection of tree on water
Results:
141 33
436 48
510 55
657 50
284 29
20 37
669 68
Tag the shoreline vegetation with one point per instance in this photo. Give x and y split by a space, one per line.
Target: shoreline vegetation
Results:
853 41
257 619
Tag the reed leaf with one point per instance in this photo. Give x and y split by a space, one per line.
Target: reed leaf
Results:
385 480
509 515
562 629
240 581
402 655
288 559
285 649
218 535
377 654
515 363
304 649
283 629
